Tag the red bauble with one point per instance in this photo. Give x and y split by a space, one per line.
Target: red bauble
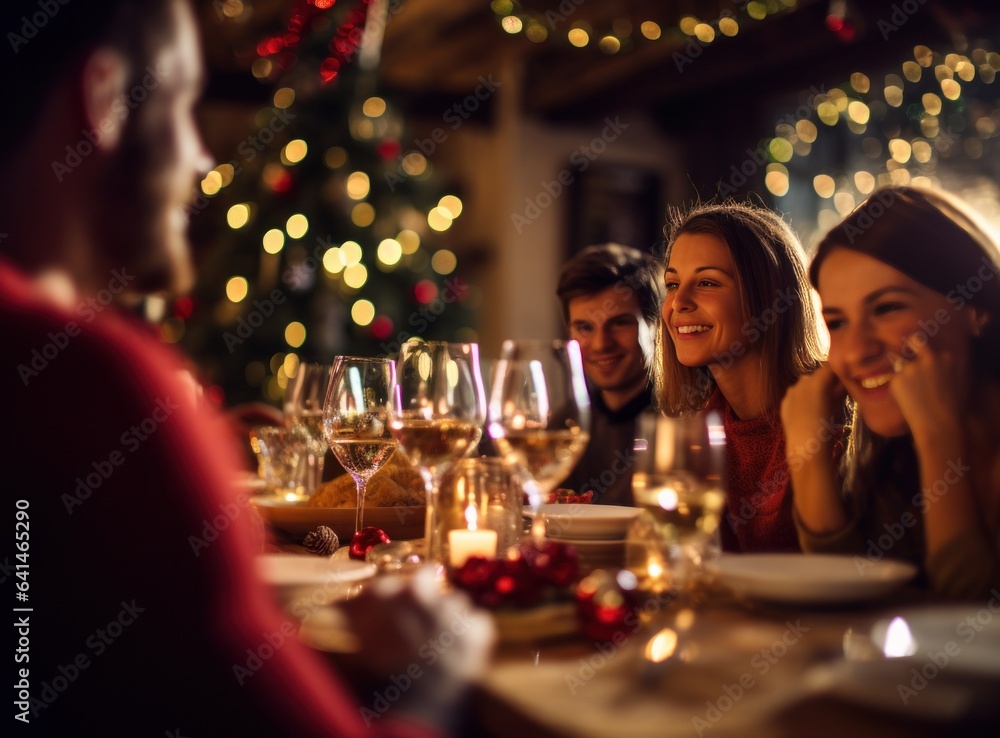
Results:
605 607
366 539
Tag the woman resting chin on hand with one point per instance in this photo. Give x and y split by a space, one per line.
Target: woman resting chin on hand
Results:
910 296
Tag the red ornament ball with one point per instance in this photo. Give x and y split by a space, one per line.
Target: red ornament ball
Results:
366 539
607 605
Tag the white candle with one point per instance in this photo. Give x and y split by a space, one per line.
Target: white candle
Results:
465 543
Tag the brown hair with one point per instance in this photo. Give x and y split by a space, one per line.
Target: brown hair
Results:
612 265
935 239
769 258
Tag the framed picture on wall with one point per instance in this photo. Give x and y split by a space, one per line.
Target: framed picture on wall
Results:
616 202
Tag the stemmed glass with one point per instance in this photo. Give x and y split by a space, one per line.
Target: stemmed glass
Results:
304 408
356 418
679 479
439 412
539 414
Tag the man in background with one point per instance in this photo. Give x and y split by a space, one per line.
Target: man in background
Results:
139 609
611 297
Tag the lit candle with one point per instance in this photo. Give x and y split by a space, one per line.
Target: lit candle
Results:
471 542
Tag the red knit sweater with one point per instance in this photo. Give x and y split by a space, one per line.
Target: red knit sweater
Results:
759 495
141 554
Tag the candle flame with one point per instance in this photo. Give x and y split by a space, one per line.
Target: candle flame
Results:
471 516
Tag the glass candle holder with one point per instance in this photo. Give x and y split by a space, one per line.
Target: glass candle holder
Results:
477 512
280 453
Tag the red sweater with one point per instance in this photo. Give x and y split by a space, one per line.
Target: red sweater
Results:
759 495
136 628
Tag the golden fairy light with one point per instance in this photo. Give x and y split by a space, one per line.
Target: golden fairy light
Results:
273 241
237 289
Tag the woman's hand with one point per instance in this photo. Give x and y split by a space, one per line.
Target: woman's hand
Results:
403 623
811 419
931 388
811 413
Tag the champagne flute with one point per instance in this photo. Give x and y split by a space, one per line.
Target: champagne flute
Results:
356 418
679 479
438 415
304 408
539 414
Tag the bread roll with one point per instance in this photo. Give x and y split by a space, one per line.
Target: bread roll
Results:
396 484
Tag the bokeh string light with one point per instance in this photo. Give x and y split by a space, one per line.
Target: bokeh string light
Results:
556 24
903 126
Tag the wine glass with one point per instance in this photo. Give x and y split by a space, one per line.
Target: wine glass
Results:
438 414
539 414
304 408
356 418
679 479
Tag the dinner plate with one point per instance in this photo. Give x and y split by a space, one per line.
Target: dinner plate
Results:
290 570
400 523
965 638
804 578
602 522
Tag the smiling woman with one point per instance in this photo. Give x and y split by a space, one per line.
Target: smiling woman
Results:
913 342
738 327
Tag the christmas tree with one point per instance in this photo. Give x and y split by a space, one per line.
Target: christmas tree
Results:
327 237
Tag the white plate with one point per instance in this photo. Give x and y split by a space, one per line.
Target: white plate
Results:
600 522
291 570
805 578
965 637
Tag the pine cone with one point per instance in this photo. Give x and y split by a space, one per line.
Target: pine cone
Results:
322 541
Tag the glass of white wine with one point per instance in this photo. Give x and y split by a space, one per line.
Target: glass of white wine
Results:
356 418
438 414
679 479
304 409
539 415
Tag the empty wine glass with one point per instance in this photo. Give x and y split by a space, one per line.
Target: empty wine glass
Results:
539 414
679 479
356 418
438 415
304 408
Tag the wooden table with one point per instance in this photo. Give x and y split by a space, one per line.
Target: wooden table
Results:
741 669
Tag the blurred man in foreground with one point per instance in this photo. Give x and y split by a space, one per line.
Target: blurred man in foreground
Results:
611 297
140 612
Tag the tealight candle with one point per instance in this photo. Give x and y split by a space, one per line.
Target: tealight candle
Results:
463 544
